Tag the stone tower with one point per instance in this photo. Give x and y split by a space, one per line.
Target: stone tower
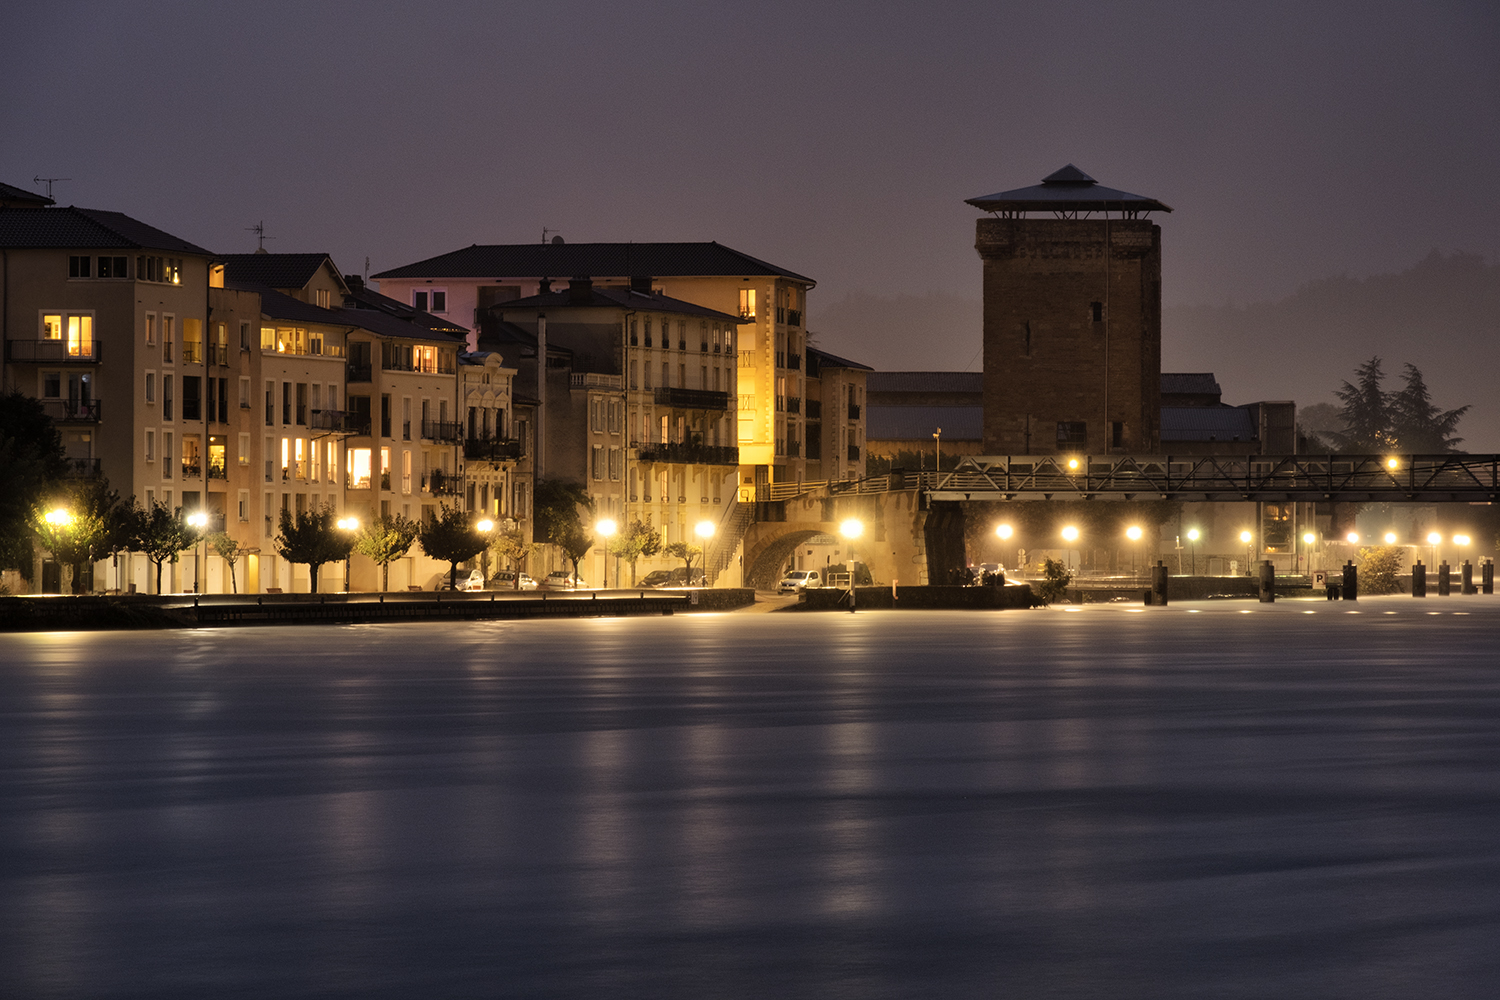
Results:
1072 319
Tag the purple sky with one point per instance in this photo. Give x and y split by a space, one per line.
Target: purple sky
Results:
1295 141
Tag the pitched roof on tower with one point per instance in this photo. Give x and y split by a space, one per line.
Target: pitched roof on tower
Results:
1067 190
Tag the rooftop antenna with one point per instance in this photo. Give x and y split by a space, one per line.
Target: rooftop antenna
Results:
556 239
259 229
49 181
367 270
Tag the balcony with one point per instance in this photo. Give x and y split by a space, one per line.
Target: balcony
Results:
192 353
693 399
853 411
359 373
52 352
794 362
492 449
218 355
191 470
781 359
330 420
73 411
794 317
594 380
440 483
357 423
81 468
442 430
854 453
216 470
814 409
794 404
687 454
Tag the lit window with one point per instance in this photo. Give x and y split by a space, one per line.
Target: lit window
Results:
747 303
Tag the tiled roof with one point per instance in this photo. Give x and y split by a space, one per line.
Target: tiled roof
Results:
595 260
360 298
826 360
1067 190
86 229
613 298
925 382
1207 423
1190 383
917 423
277 305
11 193
275 270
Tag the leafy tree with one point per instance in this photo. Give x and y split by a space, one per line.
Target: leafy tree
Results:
687 552
637 540
1379 567
1366 413
229 550
31 455
560 508
386 539
1055 580
452 538
513 547
313 537
1419 427
95 524
162 534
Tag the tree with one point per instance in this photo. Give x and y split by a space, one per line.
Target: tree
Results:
34 464
84 523
161 534
1379 567
313 537
513 547
1366 413
687 552
637 540
1055 580
386 539
560 509
229 550
452 538
1419 427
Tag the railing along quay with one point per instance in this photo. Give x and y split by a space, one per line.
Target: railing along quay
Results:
462 607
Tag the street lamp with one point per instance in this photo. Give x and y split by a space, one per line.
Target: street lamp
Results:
704 530
58 518
1193 551
199 521
1134 534
1003 532
350 523
1434 539
1390 538
1245 539
607 528
1308 541
1353 537
851 529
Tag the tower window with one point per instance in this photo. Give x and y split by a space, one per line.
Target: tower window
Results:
1072 432
1098 308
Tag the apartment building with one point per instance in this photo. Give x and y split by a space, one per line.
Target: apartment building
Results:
770 347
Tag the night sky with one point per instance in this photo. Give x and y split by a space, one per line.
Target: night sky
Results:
1295 141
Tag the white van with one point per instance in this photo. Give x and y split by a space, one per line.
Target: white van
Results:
799 579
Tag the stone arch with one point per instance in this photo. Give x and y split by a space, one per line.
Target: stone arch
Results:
765 558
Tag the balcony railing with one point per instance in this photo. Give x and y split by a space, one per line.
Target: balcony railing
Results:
492 449
440 483
687 454
192 353
357 423
794 362
594 380
191 470
693 399
442 430
73 411
854 453
218 354
359 373
216 470
82 468
814 409
52 352
330 420
853 411
794 404
794 317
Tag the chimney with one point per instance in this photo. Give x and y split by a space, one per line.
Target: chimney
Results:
641 283
544 287
580 290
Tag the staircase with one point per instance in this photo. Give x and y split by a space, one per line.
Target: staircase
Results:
727 537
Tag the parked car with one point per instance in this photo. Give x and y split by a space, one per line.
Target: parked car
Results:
656 578
506 580
562 579
474 581
799 579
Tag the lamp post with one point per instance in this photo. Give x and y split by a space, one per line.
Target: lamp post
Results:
937 458
60 519
704 530
1070 535
199 521
1192 551
1434 539
1390 538
350 523
1003 532
1246 538
1134 534
607 527
851 529
1308 540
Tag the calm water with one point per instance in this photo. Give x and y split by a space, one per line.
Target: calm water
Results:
1180 802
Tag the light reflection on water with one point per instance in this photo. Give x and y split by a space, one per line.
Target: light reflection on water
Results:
1185 802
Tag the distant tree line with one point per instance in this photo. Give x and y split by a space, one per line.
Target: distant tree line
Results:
1373 419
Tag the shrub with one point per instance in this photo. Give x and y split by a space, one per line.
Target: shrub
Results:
1378 569
1055 580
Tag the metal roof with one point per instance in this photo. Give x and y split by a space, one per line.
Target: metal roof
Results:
594 260
85 229
1207 423
925 382
1190 383
916 423
275 270
1067 190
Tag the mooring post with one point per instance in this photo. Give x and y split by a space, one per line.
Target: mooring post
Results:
1158 594
1467 576
1445 579
1267 583
1419 580
1487 576
1351 581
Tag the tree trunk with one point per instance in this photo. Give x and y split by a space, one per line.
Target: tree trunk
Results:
385 577
158 576
453 576
312 575
234 584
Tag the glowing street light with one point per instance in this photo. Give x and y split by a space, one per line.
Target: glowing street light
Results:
1390 538
1193 537
1461 540
350 523
1004 531
1393 464
1070 534
1352 537
1308 541
199 521
851 529
1434 539
607 527
58 518
1072 464
1134 534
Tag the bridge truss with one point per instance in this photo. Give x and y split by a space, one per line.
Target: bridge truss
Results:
1275 478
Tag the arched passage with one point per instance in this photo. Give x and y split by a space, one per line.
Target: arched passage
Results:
767 554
